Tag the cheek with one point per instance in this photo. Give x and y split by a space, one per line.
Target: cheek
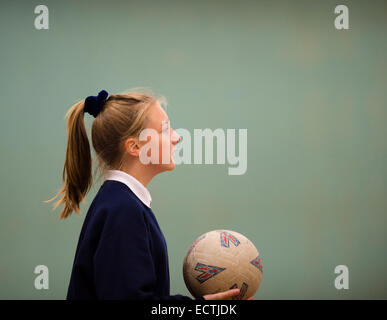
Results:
154 145
164 146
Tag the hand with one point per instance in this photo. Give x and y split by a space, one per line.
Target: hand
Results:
225 295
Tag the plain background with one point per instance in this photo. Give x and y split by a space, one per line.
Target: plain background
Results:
313 99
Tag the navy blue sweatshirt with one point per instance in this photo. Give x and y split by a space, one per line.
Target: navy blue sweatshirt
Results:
121 252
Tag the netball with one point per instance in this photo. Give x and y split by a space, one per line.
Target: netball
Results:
220 260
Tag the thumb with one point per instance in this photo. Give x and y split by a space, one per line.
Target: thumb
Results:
229 293
223 295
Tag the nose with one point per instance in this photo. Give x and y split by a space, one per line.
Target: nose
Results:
175 137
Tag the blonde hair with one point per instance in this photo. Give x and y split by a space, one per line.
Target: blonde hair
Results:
123 116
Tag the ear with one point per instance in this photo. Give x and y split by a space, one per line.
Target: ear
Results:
132 147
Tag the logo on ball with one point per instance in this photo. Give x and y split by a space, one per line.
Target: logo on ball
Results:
225 239
257 262
242 291
207 271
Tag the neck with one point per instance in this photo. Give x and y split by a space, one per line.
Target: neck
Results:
139 172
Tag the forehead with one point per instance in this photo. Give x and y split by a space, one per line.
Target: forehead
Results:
157 115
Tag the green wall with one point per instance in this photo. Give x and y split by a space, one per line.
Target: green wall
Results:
313 99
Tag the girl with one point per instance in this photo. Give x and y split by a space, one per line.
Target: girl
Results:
121 252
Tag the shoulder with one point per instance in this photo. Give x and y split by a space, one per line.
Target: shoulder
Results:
118 207
115 196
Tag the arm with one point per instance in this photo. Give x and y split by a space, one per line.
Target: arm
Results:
123 265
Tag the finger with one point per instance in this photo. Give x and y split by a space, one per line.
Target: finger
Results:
251 298
222 295
228 294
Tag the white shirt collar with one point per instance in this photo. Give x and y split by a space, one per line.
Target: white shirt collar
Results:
136 186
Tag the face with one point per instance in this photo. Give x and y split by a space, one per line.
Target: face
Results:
166 139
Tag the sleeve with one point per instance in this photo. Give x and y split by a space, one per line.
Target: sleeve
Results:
123 265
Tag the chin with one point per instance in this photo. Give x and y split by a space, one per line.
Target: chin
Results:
171 166
167 167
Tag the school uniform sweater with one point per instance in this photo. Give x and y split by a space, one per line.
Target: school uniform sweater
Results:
121 252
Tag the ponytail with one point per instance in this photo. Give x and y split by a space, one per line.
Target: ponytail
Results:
122 116
77 171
